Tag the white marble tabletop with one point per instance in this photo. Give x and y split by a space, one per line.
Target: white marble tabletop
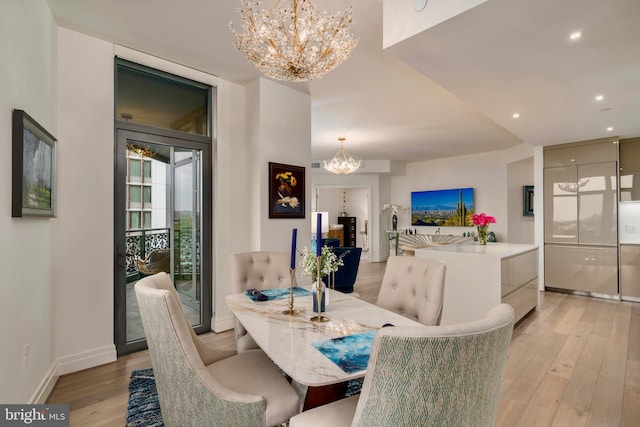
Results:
287 339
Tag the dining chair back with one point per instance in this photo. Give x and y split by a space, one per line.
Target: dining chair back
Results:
200 385
414 288
427 376
257 270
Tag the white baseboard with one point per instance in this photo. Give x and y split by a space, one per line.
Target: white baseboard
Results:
222 324
88 359
46 386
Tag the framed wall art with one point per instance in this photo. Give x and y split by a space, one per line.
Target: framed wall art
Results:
33 166
443 208
527 200
286 191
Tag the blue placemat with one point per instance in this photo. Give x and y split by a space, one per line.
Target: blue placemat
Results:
280 293
350 353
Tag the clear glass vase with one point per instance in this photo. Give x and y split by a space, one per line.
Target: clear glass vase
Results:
323 297
482 234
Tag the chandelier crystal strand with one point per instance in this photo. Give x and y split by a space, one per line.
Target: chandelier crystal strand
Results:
293 41
342 163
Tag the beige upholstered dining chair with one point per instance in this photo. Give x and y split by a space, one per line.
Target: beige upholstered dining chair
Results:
257 270
414 288
198 385
427 376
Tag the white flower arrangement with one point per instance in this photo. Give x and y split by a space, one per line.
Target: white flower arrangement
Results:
330 262
394 208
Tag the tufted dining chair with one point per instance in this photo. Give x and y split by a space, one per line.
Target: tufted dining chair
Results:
413 287
427 376
257 270
201 386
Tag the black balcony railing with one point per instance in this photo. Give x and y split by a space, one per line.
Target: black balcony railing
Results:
140 242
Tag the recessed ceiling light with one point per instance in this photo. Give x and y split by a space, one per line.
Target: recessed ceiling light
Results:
599 97
575 35
610 128
516 115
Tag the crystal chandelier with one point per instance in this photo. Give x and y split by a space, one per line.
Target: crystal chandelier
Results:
342 163
292 41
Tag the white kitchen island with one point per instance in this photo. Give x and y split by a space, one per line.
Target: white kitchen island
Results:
480 277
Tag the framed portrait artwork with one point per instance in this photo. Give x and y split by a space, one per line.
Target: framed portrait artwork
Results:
286 191
33 166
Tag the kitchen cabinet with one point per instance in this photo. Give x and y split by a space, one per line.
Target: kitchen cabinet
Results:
581 218
581 153
480 277
630 272
584 268
630 170
597 204
580 204
561 204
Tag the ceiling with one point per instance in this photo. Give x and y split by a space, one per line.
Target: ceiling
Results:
448 91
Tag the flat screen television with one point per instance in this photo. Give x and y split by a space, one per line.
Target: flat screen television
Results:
442 208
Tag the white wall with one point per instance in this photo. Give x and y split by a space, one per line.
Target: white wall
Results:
27 43
358 206
231 210
284 136
85 334
521 229
58 292
485 172
377 185
83 244
355 203
278 129
330 200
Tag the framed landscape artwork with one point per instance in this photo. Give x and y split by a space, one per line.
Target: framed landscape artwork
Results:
33 168
286 191
443 208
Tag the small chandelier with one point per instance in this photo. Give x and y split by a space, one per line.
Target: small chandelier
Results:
342 163
292 41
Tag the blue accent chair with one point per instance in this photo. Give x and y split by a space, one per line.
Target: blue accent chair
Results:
346 275
331 242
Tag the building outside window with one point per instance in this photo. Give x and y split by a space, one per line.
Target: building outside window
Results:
140 190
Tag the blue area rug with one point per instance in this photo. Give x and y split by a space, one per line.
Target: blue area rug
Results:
144 408
354 387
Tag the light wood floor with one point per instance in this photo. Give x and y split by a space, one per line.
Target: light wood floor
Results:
574 362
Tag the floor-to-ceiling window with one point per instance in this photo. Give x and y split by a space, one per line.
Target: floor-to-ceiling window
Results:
163 192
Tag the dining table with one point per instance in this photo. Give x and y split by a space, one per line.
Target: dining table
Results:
320 356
